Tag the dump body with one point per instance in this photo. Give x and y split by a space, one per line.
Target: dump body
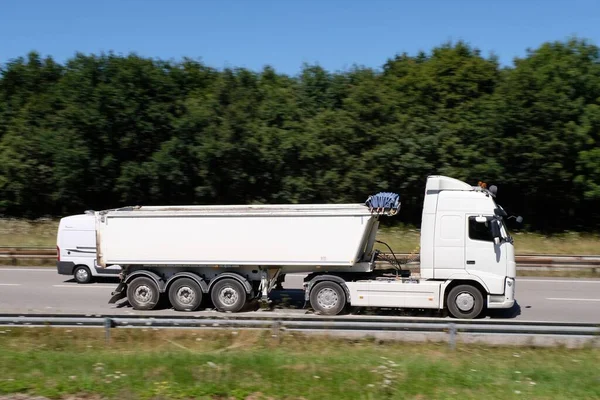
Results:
266 235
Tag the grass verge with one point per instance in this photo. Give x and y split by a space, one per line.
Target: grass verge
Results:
145 364
406 240
42 233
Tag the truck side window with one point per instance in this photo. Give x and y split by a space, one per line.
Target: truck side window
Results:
480 230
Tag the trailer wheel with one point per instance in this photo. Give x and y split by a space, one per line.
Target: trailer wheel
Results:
185 294
82 274
465 302
228 295
142 293
327 298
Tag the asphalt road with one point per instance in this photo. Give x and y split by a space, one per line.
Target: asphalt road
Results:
42 290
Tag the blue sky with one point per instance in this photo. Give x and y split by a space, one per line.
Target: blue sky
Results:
335 34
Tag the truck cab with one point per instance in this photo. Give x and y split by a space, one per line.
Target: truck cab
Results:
464 237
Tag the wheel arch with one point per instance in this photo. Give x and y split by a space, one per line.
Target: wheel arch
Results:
192 276
327 277
241 279
456 282
148 274
75 266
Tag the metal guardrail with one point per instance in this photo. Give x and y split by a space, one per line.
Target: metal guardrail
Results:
314 324
524 262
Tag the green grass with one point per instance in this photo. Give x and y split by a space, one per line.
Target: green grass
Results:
147 364
25 233
406 240
42 233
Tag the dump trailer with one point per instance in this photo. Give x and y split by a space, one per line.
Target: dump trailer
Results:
235 254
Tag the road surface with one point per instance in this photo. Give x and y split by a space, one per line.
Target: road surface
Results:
42 290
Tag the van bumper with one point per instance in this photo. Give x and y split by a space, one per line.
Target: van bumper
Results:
506 300
65 267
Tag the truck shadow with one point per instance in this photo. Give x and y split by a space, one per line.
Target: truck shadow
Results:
100 280
290 299
508 313
294 298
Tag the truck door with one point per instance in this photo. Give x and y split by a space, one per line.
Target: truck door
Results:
483 257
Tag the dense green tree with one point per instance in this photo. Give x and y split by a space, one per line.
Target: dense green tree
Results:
103 131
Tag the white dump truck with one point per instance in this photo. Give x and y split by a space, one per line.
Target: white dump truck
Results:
235 254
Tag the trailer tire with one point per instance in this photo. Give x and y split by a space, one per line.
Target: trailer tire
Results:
142 293
185 294
465 302
82 274
327 298
228 295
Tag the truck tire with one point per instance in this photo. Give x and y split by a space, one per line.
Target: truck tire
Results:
142 293
228 295
185 295
82 274
465 302
327 298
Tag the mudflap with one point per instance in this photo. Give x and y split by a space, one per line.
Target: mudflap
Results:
119 293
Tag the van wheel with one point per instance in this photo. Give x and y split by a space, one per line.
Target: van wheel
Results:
327 298
82 274
228 295
142 293
185 295
465 302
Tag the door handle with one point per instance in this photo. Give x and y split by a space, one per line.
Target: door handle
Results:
470 262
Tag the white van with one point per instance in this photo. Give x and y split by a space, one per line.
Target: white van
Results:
76 249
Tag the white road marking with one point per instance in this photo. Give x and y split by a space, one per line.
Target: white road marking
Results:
10 284
569 299
25 269
556 281
85 286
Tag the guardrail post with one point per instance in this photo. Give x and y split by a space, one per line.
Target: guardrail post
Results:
452 338
108 324
275 329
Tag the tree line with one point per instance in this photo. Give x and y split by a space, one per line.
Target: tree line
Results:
104 131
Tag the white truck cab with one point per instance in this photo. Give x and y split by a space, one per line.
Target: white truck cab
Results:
76 249
467 257
464 237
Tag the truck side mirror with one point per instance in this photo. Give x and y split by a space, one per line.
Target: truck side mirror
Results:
519 219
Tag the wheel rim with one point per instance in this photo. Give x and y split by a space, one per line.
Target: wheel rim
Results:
228 296
142 294
81 274
186 295
465 301
327 298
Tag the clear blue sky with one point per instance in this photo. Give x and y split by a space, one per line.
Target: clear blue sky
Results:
286 33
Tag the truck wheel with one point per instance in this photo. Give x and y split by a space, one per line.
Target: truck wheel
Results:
185 295
228 295
82 274
465 302
327 298
142 293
